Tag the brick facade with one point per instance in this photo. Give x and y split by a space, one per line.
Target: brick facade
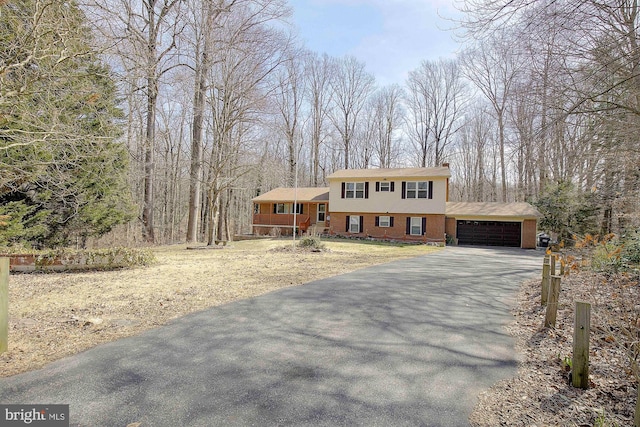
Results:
529 234
434 231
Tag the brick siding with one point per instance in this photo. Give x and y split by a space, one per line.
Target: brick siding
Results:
434 229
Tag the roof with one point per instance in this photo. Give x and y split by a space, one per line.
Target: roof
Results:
443 172
301 194
492 209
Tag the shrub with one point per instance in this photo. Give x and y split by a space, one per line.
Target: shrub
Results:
631 250
311 243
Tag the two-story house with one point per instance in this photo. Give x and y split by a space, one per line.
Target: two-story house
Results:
409 204
403 203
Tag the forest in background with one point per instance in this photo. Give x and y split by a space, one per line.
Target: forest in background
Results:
160 120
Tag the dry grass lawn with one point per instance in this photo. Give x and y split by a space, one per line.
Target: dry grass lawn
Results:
56 315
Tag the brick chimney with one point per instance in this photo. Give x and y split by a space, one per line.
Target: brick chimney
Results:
446 165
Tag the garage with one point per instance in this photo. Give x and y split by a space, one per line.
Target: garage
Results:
491 224
489 233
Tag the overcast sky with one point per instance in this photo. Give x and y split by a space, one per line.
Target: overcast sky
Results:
391 36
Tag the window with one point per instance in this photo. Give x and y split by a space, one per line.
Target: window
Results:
384 221
322 210
354 224
416 226
386 186
355 190
279 208
256 208
299 209
417 190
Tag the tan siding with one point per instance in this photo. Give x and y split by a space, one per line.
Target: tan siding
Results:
392 202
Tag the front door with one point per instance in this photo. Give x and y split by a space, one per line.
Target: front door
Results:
322 212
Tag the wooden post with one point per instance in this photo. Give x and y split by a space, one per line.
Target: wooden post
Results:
552 261
544 293
552 303
580 363
4 304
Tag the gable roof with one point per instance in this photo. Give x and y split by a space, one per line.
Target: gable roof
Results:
302 194
492 209
437 172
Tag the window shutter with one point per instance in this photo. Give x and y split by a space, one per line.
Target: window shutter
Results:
424 225
343 188
404 189
366 190
377 221
393 187
408 225
431 189
275 208
391 222
347 223
361 223
377 186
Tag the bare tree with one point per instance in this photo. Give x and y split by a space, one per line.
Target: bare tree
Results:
143 33
205 17
288 97
350 89
437 96
387 114
319 72
248 50
494 68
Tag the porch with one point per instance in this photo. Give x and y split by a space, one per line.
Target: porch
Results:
264 223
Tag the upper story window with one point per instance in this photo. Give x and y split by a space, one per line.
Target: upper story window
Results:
417 190
386 186
355 190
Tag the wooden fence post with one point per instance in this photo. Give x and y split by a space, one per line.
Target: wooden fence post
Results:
580 362
4 304
544 293
552 304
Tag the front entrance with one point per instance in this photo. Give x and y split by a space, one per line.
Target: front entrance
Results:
322 214
489 233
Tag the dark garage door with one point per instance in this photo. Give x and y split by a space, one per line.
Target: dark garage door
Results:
489 233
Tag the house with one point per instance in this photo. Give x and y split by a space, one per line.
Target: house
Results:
404 203
408 204
274 211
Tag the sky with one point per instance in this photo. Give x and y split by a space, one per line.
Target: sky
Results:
392 37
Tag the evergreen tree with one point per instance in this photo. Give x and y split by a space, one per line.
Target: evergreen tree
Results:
60 158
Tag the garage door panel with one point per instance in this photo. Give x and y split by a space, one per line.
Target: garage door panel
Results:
489 233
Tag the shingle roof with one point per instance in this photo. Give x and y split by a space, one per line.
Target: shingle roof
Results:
491 209
303 194
443 172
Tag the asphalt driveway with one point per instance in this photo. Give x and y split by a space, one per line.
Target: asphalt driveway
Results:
411 342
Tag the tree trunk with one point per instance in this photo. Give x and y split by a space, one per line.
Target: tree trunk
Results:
148 211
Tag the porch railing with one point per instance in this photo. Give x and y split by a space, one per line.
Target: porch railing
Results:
282 220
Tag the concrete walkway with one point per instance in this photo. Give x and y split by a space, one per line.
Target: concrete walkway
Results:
410 343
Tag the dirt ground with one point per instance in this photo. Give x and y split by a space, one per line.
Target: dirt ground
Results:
59 314
541 394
